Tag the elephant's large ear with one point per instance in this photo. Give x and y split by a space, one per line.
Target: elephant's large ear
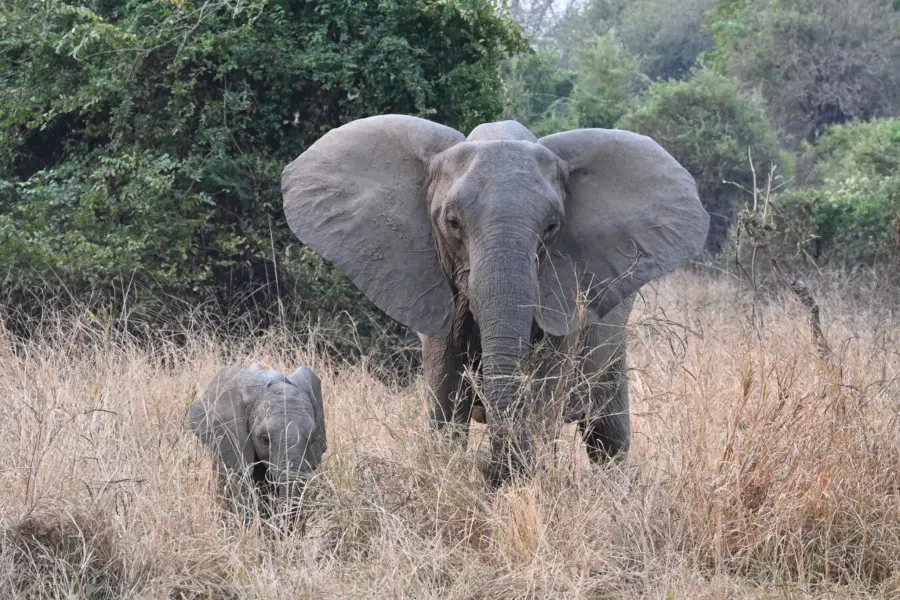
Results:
632 215
219 418
358 197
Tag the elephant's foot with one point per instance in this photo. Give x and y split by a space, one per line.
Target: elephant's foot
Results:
606 438
511 456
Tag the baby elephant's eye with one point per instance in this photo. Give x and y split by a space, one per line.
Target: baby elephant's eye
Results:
264 438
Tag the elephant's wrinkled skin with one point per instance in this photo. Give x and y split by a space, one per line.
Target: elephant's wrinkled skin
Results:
268 431
485 244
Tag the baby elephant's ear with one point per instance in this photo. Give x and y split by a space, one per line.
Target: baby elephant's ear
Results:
219 418
305 379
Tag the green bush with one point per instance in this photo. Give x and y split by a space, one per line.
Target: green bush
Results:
816 62
607 84
142 141
667 35
708 124
585 21
602 84
538 90
853 215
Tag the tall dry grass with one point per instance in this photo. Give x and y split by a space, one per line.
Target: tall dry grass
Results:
755 471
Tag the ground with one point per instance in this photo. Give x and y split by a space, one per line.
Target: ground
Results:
757 471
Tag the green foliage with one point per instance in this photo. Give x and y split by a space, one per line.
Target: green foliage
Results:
596 92
666 36
863 149
591 67
853 215
817 62
62 219
581 25
142 141
708 124
538 88
727 24
607 84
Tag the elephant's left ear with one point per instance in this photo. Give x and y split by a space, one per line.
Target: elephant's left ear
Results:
632 215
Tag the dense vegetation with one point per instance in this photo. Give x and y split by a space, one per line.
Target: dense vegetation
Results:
852 213
141 141
817 62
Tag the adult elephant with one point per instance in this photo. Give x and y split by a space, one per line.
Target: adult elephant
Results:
485 243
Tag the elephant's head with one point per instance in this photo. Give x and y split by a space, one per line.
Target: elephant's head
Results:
555 231
265 427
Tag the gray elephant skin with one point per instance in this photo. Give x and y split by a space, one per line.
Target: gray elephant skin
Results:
488 244
268 432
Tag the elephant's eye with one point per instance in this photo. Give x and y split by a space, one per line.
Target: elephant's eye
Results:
264 438
551 228
453 223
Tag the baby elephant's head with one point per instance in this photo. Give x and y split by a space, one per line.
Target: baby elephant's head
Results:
265 427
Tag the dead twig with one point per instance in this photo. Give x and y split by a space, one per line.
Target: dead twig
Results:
754 222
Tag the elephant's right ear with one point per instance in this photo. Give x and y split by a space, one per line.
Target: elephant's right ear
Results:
219 418
305 378
358 197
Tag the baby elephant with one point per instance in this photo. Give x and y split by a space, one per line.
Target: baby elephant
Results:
268 431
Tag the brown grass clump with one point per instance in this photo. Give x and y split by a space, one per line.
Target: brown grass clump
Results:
756 472
46 553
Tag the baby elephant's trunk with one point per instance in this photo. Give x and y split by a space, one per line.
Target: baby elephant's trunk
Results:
289 490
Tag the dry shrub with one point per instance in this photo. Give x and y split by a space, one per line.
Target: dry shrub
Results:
52 551
755 472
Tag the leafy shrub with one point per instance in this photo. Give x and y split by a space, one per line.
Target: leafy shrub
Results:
816 62
142 142
853 215
667 35
583 22
608 83
708 124
599 88
538 90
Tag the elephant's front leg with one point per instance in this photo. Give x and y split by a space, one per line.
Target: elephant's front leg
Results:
451 400
236 490
605 426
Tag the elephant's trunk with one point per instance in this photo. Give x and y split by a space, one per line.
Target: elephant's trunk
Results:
286 490
289 489
501 289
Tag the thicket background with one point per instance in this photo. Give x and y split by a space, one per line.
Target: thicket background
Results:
141 141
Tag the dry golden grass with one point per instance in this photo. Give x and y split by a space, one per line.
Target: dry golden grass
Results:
755 473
